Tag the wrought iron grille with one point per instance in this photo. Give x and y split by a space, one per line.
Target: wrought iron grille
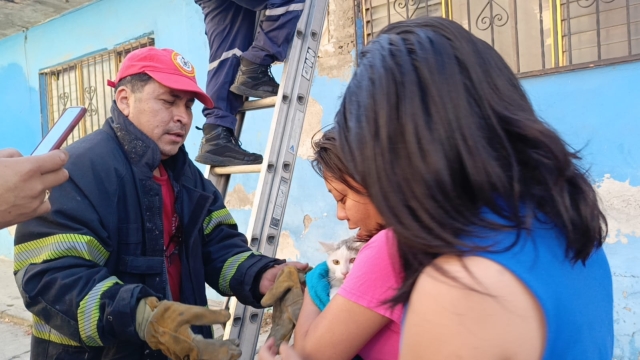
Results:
595 30
531 35
379 13
84 83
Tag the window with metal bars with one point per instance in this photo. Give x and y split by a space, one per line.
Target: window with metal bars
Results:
83 82
379 13
599 29
531 35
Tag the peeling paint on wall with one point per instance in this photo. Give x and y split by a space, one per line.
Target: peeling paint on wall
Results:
238 199
307 220
338 41
310 129
620 203
12 230
286 247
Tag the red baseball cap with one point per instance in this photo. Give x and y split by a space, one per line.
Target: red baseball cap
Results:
165 66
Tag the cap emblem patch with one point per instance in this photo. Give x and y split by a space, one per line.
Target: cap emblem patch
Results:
183 64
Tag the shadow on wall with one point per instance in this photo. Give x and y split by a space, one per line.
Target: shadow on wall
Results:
20 126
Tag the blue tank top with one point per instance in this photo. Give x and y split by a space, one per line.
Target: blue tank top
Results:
576 299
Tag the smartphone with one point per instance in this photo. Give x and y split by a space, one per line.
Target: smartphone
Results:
61 130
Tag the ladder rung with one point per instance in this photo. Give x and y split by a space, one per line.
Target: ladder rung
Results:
259 104
242 169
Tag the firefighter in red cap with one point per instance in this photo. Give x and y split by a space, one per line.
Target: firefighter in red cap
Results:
118 268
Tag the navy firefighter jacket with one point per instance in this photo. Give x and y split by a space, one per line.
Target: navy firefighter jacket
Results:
83 268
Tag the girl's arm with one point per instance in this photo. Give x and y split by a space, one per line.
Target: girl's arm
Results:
336 333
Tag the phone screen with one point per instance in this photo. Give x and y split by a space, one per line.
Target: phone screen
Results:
61 130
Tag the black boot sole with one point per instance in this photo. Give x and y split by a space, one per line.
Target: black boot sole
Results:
217 161
241 90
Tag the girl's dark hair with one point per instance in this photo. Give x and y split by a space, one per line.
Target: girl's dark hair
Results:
327 161
435 126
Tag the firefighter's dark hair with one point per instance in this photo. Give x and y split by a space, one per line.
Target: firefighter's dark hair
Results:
136 83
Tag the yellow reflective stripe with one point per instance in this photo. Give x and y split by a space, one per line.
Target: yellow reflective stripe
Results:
58 246
45 332
89 312
229 269
220 217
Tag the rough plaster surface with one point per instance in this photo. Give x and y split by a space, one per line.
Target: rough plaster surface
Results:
19 15
239 199
286 247
620 203
338 41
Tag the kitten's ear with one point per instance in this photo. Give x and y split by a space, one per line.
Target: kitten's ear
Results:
328 247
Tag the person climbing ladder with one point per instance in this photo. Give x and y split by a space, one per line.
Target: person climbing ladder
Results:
239 66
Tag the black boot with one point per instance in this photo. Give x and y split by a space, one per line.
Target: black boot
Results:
220 147
255 80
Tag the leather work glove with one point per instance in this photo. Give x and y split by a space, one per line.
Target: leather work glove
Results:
165 326
285 296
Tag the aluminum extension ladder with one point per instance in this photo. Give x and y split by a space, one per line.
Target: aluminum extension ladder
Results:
276 170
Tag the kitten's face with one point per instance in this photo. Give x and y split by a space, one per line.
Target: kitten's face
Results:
340 263
341 257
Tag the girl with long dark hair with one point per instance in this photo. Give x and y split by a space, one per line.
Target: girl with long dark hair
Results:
499 231
358 320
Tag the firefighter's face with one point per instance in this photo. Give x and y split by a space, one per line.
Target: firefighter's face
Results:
356 209
163 114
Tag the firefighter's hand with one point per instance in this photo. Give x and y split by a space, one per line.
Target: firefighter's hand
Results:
269 352
269 276
25 182
286 298
166 326
210 349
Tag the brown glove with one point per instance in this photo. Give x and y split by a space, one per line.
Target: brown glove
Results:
217 349
286 298
166 325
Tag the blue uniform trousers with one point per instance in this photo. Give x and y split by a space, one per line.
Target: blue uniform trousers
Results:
229 25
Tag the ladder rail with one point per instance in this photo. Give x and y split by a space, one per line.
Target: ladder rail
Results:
274 183
233 329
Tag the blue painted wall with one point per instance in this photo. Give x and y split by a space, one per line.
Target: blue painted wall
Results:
598 111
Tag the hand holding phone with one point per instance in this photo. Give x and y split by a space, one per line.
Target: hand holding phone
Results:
25 183
61 130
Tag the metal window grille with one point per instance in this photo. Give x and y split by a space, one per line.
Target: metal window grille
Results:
379 13
599 29
531 35
84 83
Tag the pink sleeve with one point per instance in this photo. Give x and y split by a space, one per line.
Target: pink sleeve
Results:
376 276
